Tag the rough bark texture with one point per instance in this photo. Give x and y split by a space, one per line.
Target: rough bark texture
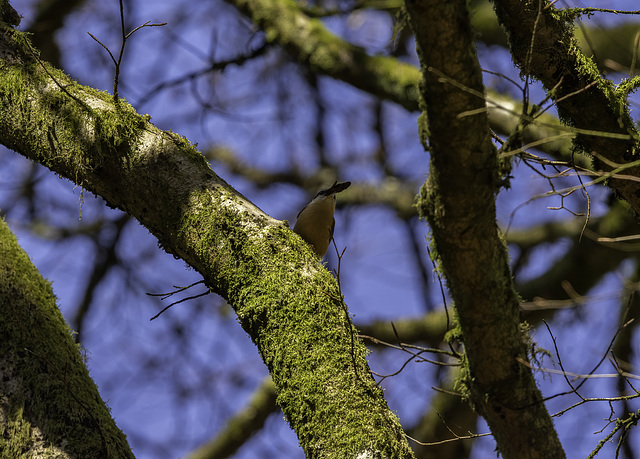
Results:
543 46
458 200
49 405
284 298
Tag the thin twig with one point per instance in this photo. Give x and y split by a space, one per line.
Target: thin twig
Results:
166 295
180 301
349 326
178 290
124 36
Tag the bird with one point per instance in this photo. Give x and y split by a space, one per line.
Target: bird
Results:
315 222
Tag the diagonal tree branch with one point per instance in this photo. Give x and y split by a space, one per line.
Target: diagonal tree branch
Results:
311 43
242 425
543 46
284 299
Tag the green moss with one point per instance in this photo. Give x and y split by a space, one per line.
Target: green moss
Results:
423 129
290 306
627 86
293 311
463 383
90 128
50 387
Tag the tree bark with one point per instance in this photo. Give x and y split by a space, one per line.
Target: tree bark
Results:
48 402
458 200
543 46
284 298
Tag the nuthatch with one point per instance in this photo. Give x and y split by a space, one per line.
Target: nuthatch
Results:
315 222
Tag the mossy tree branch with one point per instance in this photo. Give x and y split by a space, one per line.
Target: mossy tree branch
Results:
309 42
458 201
543 46
283 297
49 406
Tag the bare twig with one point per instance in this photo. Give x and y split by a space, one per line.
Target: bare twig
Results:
166 295
125 36
349 326
449 440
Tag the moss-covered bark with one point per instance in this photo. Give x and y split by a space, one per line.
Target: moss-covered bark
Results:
49 404
543 46
310 42
287 302
458 201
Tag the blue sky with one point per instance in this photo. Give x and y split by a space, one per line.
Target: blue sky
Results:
173 382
